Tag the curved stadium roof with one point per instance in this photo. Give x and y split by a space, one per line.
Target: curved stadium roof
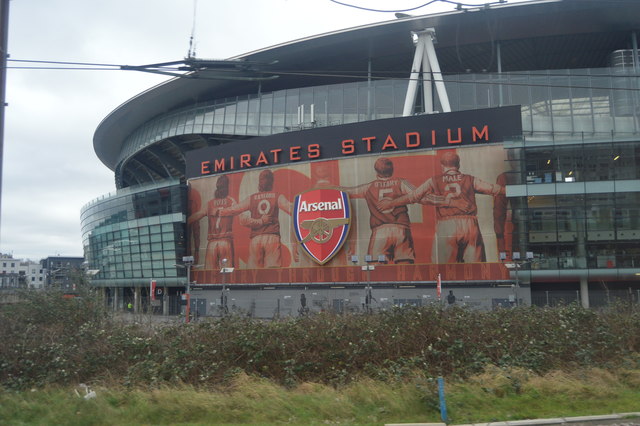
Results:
536 35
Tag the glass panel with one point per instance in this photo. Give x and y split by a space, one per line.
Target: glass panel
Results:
229 118
399 93
560 103
335 105
581 102
306 99
541 103
518 94
467 97
278 112
266 110
189 121
365 101
350 106
253 117
218 120
241 117
624 161
320 101
291 109
597 163
383 100
483 92
540 165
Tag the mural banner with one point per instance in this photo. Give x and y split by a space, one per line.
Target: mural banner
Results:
415 214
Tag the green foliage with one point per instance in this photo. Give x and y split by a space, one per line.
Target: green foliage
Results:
49 340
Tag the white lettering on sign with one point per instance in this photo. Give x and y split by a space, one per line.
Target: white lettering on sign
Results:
320 206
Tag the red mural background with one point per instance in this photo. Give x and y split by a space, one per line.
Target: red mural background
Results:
427 229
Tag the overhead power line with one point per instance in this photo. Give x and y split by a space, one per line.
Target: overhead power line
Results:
457 4
88 64
225 70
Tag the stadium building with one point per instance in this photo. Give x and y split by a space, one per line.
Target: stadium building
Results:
488 153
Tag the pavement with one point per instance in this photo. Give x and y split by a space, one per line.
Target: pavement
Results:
622 419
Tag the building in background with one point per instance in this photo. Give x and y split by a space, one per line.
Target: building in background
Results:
527 115
63 272
20 273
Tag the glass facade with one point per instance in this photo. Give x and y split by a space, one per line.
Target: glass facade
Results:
562 103
579 231
270 113
576 203
136 235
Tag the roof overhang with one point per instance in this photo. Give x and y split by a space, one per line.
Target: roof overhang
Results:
390 45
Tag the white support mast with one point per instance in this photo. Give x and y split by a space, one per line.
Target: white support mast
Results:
425 58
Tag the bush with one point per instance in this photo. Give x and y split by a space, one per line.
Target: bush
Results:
51 340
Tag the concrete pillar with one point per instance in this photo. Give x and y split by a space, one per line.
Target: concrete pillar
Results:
581 249
136 300
165 301
499 60
116 294
584 292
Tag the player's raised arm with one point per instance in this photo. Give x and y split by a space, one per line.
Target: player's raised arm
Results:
197 216
284 204
248 221
236 208
487 188
355 191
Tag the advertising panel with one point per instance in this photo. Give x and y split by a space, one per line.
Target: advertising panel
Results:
413 213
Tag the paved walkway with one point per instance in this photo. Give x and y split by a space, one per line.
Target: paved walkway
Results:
623 419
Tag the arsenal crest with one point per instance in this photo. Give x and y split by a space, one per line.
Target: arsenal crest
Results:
321 219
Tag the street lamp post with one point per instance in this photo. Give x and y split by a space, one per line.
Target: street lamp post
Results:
515 264
188 263
224 296
368 267
223 299
368 297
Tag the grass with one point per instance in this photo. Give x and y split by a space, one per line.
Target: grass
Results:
494 395
516 395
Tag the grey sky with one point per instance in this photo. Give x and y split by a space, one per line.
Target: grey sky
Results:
50 168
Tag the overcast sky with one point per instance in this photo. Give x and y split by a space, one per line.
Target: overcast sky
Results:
50 169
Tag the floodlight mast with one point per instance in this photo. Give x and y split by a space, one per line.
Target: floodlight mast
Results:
425 59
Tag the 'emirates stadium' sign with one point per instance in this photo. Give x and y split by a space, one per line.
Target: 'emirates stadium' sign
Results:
385 136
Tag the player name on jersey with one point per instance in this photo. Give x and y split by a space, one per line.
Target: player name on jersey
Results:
321 206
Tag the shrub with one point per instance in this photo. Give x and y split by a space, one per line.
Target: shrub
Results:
51 340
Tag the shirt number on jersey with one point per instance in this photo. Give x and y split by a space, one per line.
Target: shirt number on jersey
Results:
264 207
453 190
382 195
